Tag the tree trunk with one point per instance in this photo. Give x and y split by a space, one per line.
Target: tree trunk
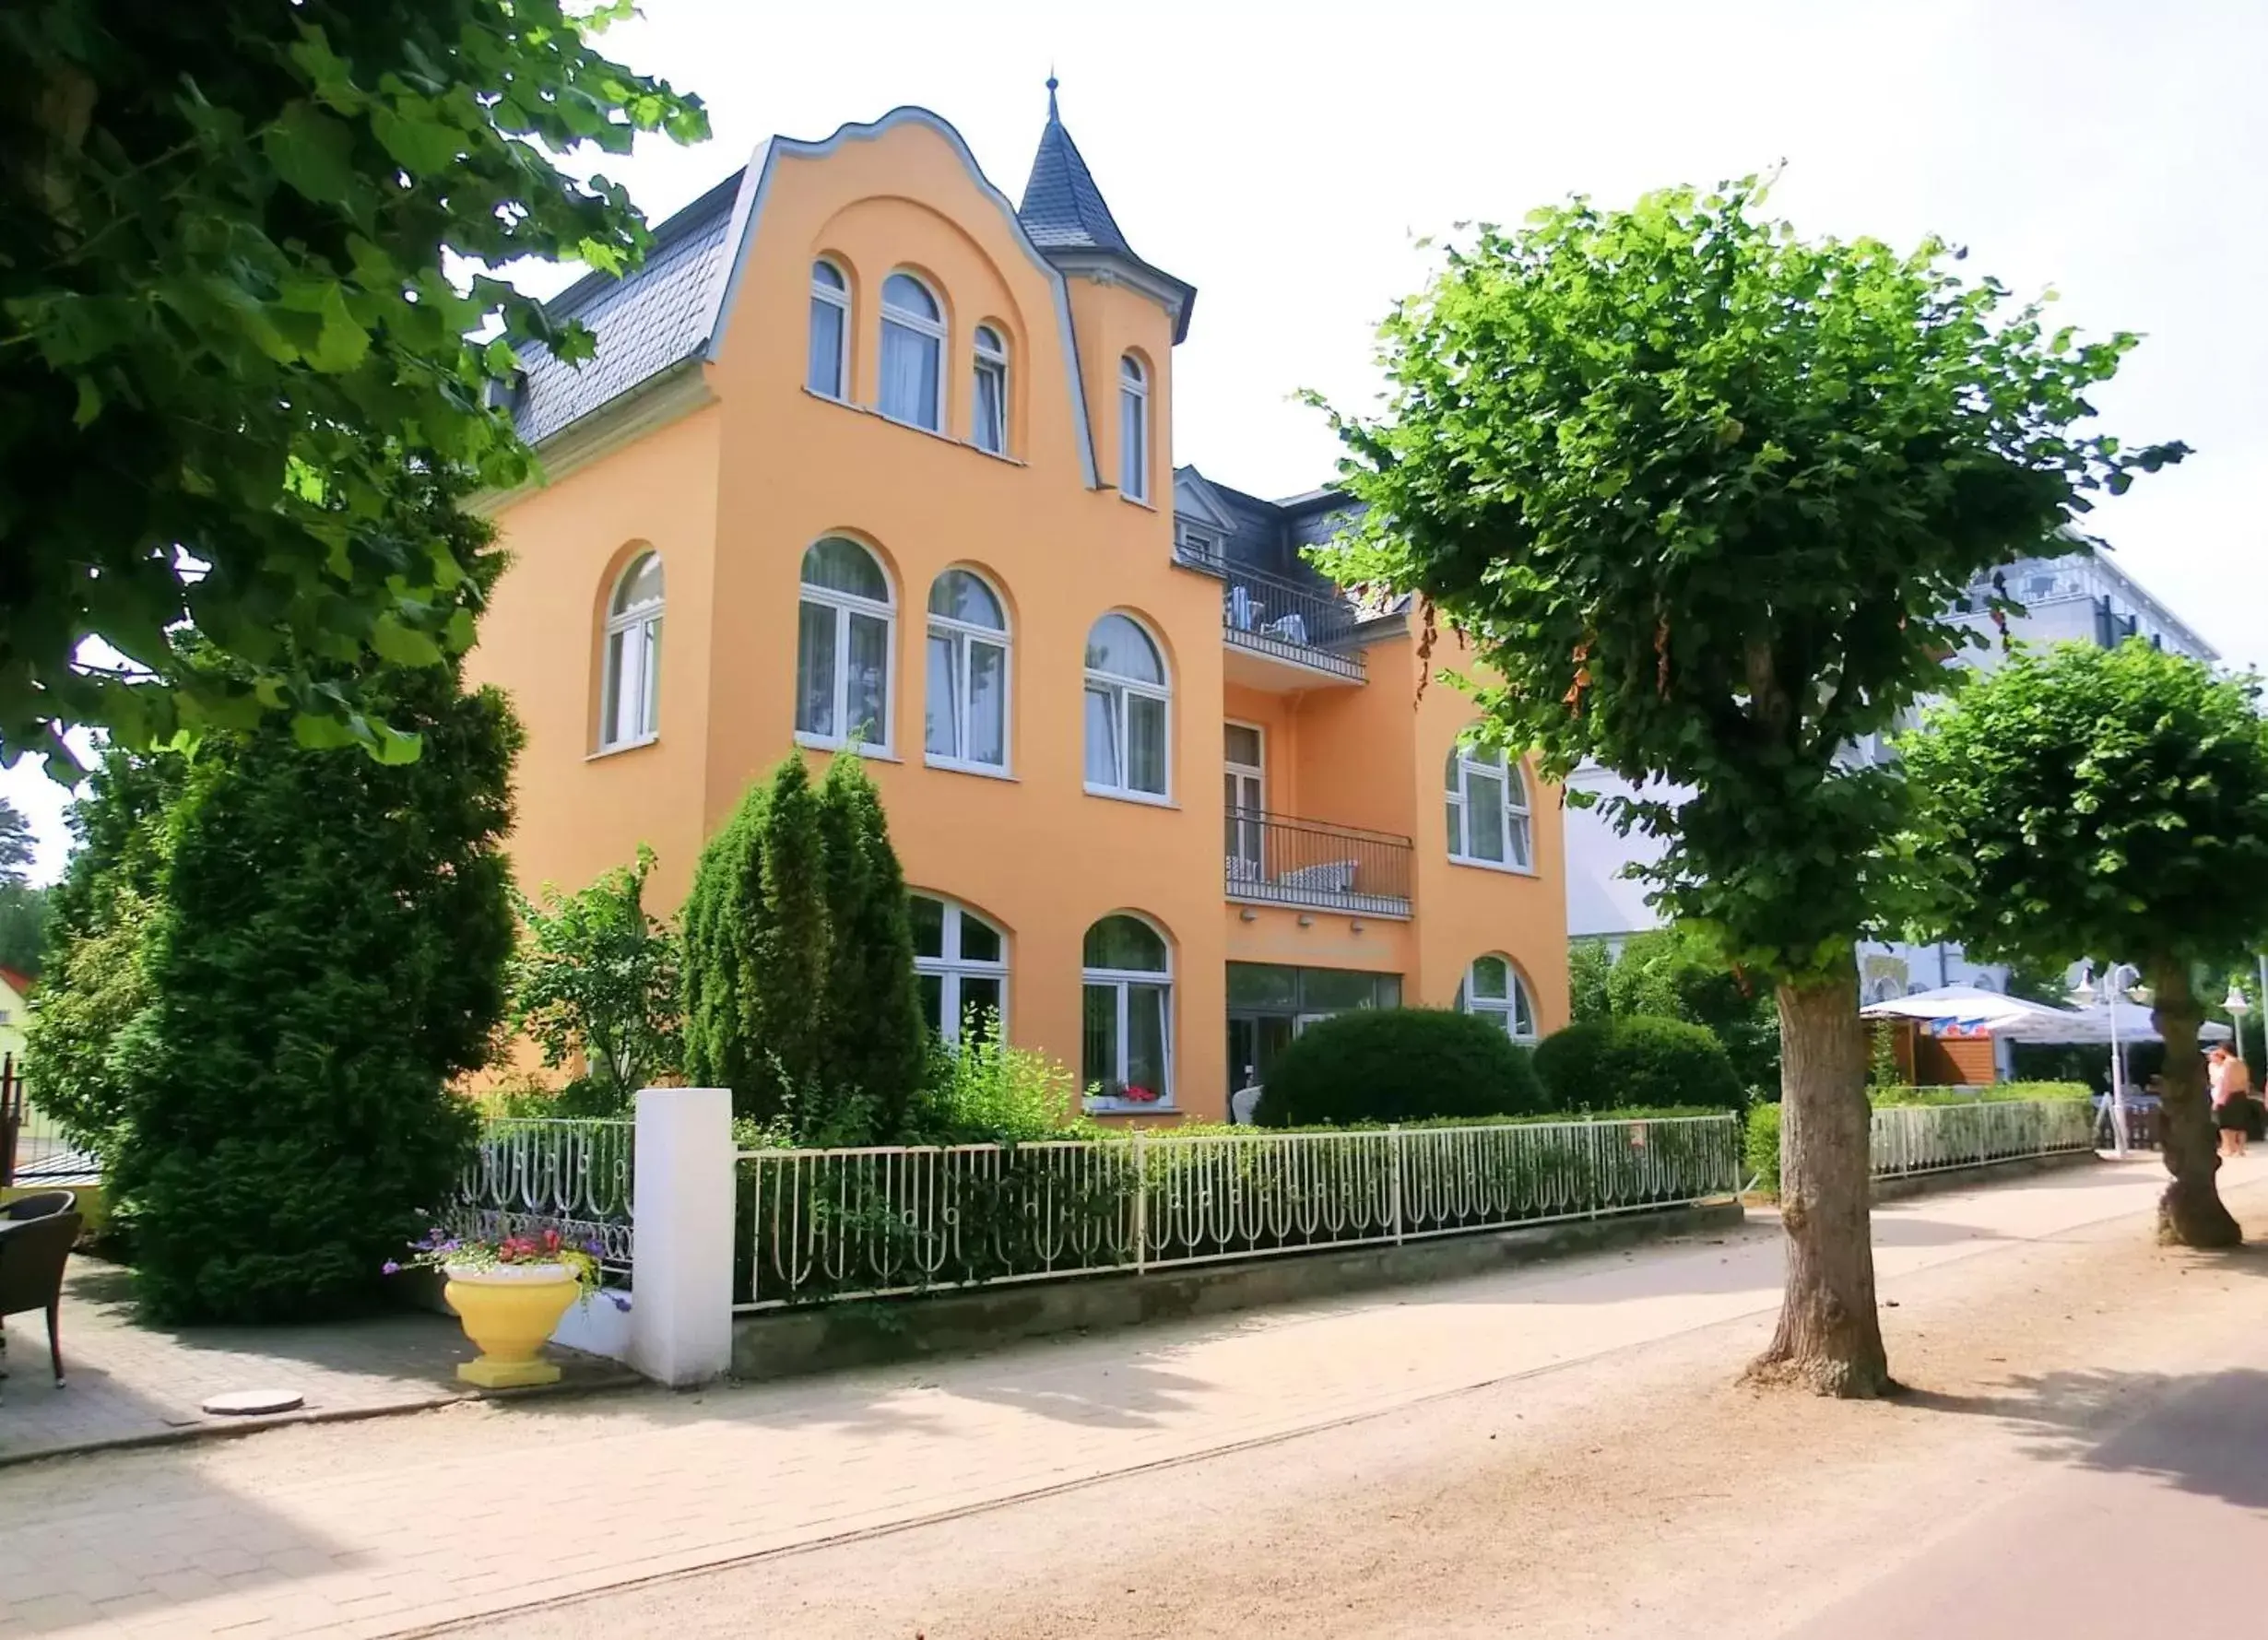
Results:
1829 1340
2190 1213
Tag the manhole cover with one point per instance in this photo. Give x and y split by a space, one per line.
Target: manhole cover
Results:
251 1403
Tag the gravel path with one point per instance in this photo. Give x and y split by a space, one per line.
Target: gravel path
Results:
1637 1493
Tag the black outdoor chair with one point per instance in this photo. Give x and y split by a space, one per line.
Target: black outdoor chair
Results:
32 1252
39 1205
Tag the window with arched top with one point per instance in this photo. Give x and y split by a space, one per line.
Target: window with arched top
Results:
844 630
1133 429
1489 820
1494 990
1128 695
912 353
1126 1040
965 715
630 701
827 371
988 393
961 968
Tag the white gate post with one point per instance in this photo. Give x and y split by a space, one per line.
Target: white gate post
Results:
681 1312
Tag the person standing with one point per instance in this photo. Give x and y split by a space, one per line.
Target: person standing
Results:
2231 1083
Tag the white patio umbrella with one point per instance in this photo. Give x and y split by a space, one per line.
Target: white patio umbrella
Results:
2094 1025
1970 1011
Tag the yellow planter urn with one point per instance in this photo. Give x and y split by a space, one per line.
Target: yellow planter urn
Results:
508 1311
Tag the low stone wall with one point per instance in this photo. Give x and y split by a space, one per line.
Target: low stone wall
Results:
820 1337
1984 1172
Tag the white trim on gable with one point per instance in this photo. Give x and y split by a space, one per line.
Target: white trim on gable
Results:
1203 503
747 209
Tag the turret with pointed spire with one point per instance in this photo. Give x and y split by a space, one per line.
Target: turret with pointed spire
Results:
1065 214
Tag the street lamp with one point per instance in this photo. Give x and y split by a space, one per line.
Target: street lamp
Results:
2234 1006
2115 981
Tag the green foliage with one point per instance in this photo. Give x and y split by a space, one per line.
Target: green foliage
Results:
1398 1065
230 341
981 1091
1760 1141
1637 1060
1882 1055
1678 972
23 928
596 975
327 955
1760 1148
2081 801
1701 494
100 916
798 963
14 845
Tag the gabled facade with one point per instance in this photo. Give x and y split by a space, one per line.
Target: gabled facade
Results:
872 462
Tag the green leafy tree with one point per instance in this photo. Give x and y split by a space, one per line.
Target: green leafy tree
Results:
877 1043
2111 803
1676 972
1699 493
757 962
101 913
596 977
327 956
229 336
15 843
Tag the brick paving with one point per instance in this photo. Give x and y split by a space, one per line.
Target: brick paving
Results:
403 1524
128 1382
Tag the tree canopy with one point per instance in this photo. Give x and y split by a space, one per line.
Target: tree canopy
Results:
2113 804
229 335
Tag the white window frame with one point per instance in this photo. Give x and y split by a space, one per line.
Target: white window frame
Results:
952 967
845 605
989 359
1118 980
644 618
840 301
932 328
963 634
1505 1009
1120 689
1518 816
1134 451
1251 833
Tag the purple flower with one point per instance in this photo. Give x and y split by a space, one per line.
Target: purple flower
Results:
620 1301
389 1269
595 1247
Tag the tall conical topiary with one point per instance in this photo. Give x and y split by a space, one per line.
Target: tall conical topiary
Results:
756 949
877 1045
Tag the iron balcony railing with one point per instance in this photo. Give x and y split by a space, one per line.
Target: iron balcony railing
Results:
1273 859
1270 615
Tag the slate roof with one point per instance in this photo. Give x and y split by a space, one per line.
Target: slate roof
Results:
643 324
1062 207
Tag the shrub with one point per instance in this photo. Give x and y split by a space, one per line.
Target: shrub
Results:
1762 1148
1398 1065
1605 1064
1763 1131
596 975
984 1091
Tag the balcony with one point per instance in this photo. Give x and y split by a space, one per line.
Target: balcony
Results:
1281 635
1273 859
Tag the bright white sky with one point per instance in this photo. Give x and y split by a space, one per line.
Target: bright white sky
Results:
1284 158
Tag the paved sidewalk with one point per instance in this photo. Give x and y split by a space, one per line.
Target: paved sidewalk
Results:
126 1382
372 1530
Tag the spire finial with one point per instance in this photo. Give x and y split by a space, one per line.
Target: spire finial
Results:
1051 94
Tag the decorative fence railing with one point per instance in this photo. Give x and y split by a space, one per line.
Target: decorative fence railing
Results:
34 1150
1922 1138
1276 860
1274 616
865 1223
573 1175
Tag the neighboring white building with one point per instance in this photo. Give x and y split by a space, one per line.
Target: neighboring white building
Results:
2084 596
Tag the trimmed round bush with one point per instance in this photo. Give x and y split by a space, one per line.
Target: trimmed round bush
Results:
1637 1060
1398 1065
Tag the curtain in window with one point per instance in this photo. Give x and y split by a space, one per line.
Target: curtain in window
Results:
1134 445
1103 759
1145 738
826 365
815 670
909 375
987 713
865 694
941 712
991 409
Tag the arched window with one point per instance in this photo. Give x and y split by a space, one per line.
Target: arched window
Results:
1492 989
912 353
1126 1042
1487 798
829 370
1126 697
630 710
1133 429
989 416
967 708
843 647
961 966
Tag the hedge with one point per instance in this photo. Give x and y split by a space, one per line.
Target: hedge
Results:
1621 1061
1761 1142
1398 1065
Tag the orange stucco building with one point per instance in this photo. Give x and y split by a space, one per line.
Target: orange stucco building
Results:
874 462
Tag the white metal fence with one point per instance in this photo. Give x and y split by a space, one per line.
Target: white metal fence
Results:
538 1172
1920 1139
830 1224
